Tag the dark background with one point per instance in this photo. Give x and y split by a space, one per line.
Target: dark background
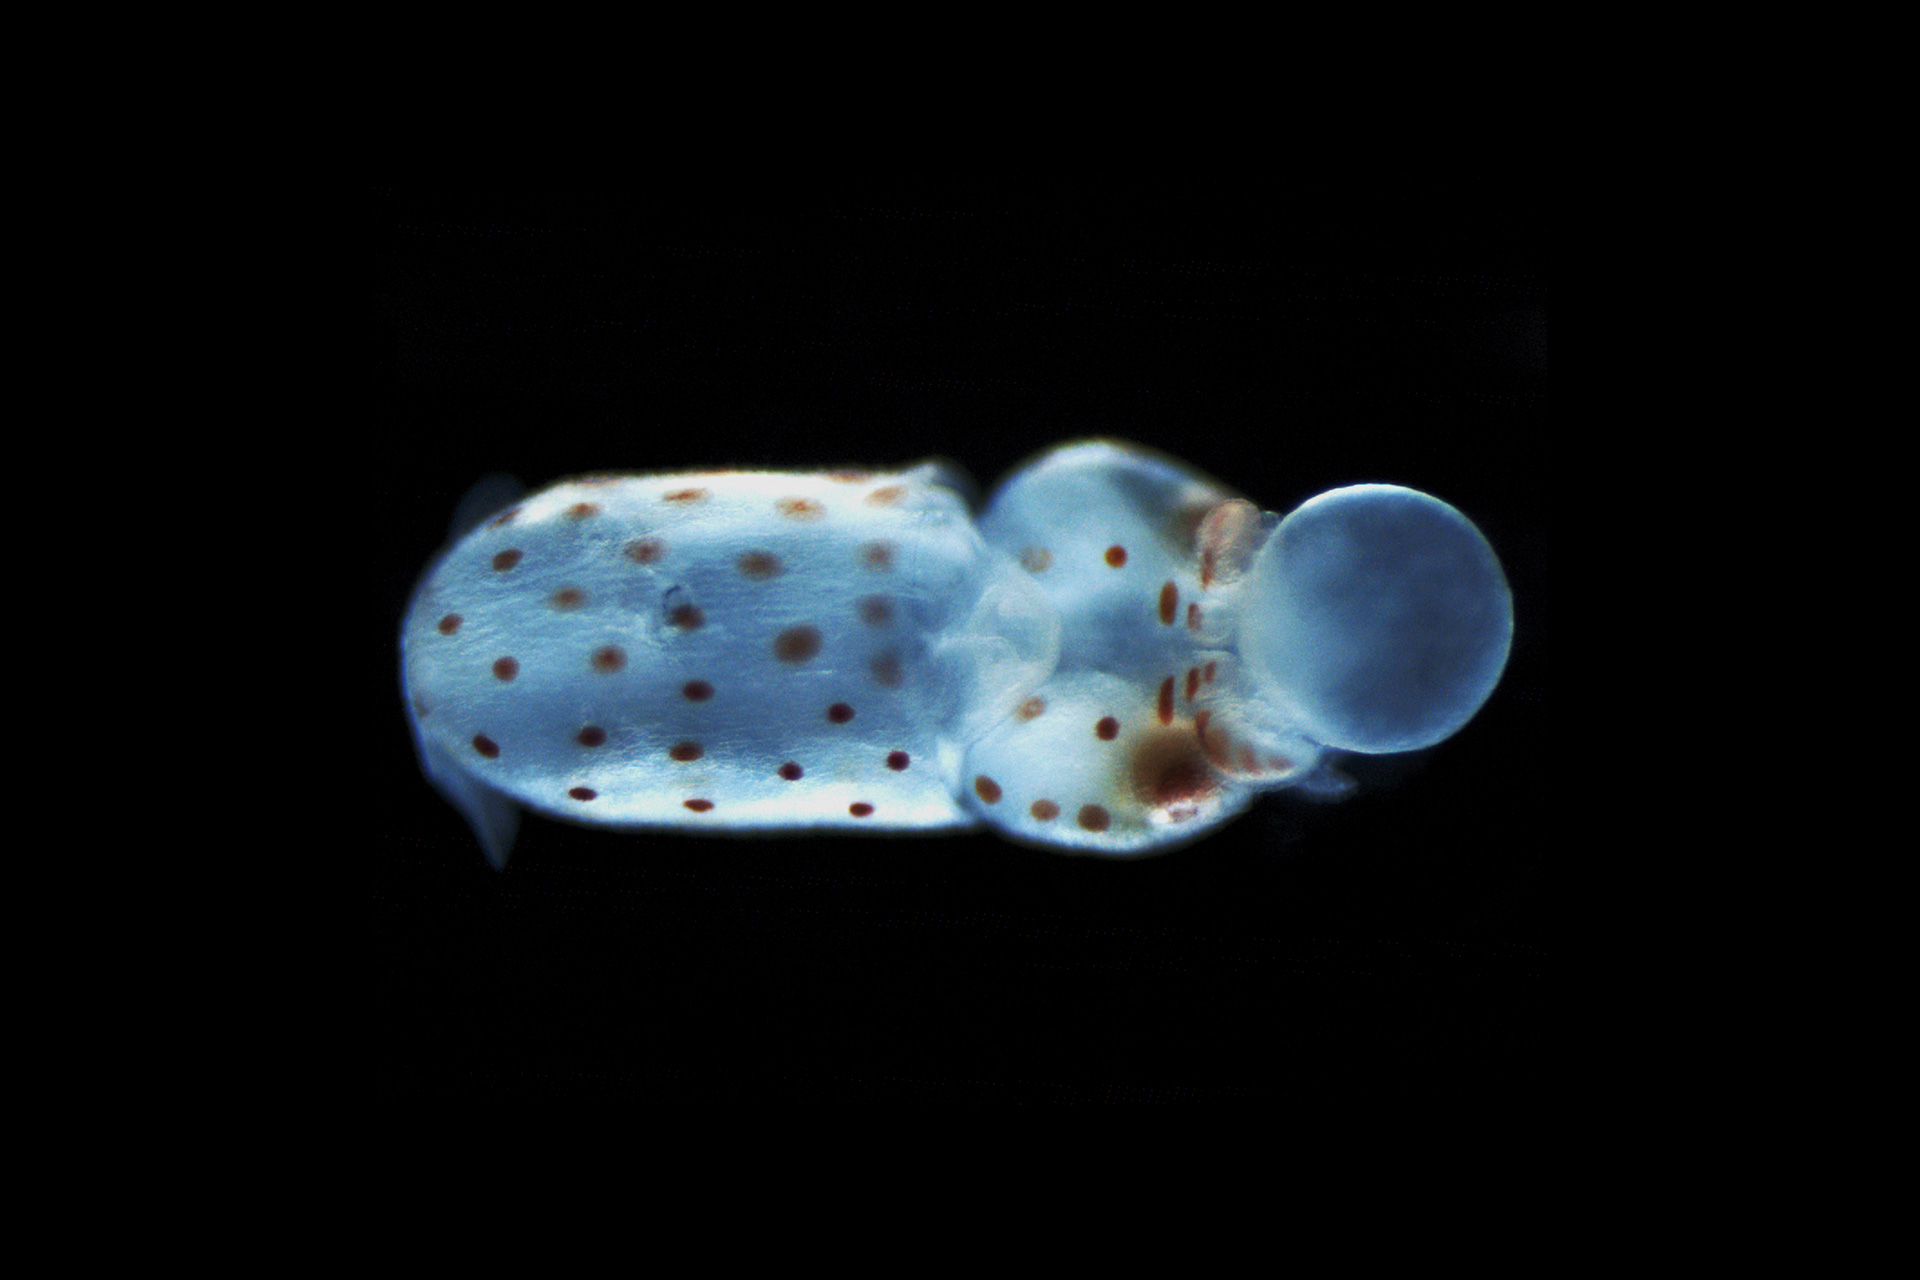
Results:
1286 345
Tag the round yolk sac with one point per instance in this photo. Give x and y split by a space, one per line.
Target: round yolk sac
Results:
1378 617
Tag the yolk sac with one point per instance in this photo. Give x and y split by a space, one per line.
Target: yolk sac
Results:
1377 616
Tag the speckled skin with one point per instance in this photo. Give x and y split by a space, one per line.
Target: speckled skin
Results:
1138 740
725 651
749 651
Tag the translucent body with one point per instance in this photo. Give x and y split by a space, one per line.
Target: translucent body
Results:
1116 658
731 651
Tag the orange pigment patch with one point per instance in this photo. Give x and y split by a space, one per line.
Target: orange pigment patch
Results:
800 509
1169 603
796 644
1165 707
1167 770
1227 538
684 497
760 564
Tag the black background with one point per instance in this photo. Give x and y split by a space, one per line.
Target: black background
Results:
1285 345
